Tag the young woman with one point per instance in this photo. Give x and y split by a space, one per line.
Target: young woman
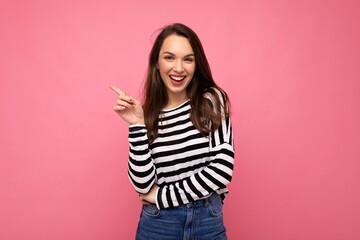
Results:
181 144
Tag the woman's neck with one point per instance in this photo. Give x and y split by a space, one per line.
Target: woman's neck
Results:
175 101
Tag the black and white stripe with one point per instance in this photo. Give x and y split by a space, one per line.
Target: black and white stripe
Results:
185 164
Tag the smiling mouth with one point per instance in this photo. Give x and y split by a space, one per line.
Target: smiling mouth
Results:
177 78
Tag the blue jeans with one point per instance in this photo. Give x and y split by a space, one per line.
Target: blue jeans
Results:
199 220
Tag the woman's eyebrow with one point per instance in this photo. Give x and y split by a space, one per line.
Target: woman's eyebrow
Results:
188 55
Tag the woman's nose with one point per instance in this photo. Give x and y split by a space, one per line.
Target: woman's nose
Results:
179 68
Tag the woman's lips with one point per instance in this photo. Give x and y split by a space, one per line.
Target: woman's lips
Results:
177 78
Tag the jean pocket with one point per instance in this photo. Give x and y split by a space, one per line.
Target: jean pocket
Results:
215 206
150 210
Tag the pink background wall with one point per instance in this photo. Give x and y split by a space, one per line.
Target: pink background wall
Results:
291 69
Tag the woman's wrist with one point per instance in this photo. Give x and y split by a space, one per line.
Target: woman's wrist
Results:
140 122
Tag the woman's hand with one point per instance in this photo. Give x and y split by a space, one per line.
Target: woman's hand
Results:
128 107
150 197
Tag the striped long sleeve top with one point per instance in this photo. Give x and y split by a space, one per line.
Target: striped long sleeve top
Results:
186 165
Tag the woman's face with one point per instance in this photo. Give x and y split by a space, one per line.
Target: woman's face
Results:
176 65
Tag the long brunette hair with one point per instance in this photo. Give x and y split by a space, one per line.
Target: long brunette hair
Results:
207 109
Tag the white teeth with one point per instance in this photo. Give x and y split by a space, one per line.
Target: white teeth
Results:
177 78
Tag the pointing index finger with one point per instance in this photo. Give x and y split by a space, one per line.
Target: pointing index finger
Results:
115 89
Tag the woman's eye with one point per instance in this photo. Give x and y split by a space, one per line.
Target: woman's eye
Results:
189 60
169 57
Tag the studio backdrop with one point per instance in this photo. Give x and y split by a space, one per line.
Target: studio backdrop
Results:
290 68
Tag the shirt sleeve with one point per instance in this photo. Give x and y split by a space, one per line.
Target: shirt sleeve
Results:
141 169
214 177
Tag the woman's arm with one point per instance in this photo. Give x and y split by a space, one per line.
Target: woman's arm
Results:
213 177
141 169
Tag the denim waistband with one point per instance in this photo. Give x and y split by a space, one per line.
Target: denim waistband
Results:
202 202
